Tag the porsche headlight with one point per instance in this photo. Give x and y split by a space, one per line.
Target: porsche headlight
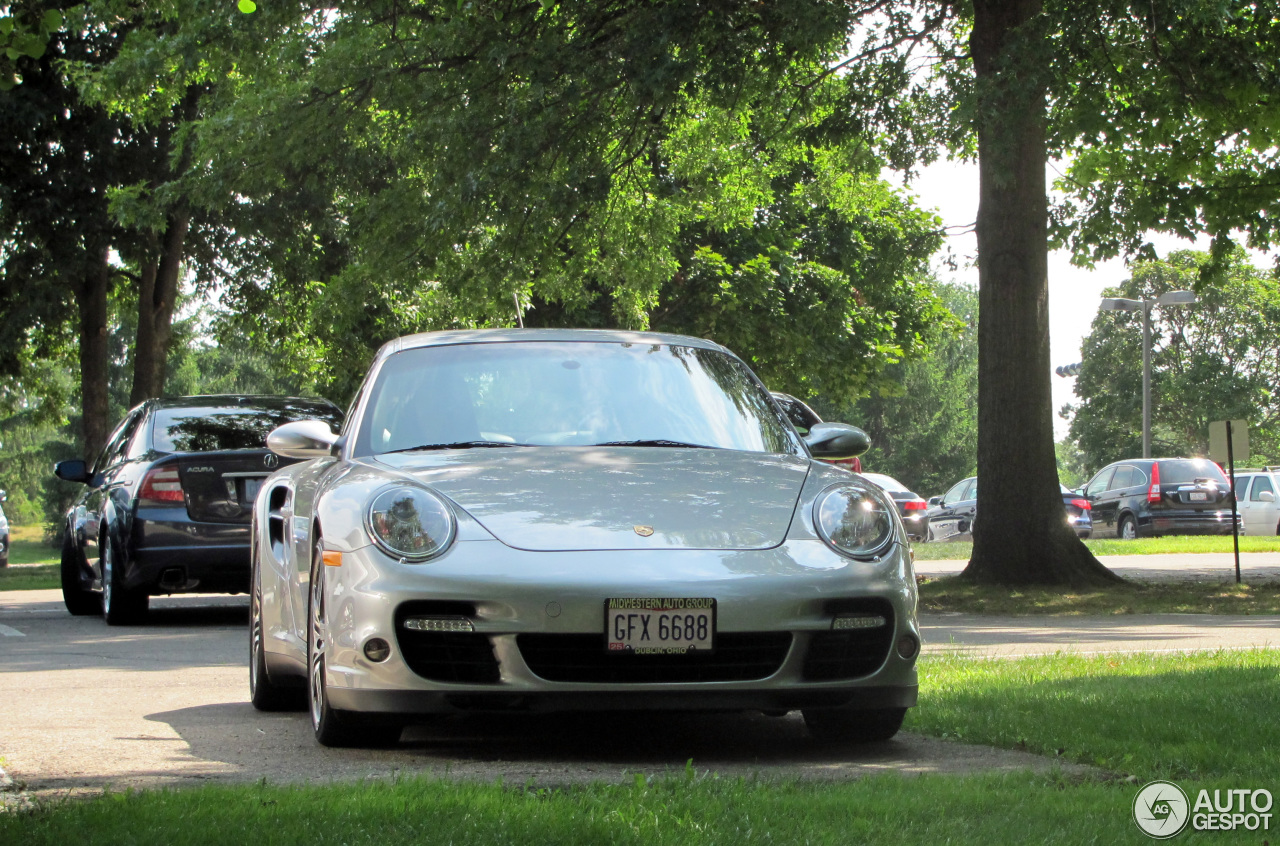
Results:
854 520
410 522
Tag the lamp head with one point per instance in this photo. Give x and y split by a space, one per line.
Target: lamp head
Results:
1120 304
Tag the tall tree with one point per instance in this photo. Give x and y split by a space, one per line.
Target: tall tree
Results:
1165 106
58 157
1020 534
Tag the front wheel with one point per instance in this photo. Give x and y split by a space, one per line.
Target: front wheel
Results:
333 727
80 601
850 726
1128 529
264 693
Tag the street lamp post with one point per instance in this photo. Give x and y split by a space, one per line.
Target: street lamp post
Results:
1171 298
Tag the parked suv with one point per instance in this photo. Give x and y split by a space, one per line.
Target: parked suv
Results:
1256 493
1140 497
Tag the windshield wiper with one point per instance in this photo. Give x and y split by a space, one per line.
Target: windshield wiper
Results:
455 445
656 442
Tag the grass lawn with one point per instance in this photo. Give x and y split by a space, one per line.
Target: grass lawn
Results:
1140 546
1203 721
32 564
27 546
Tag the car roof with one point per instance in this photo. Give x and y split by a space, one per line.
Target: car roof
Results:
265 401
887 478
499 336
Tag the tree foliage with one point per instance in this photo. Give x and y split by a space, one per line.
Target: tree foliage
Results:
401 167
1169 113
923 418
1214 360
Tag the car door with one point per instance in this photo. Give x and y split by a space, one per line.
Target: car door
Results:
953 516
1095 492
1118 498
107 490
1260 514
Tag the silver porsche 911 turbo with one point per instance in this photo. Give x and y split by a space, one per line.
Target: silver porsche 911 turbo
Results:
575 520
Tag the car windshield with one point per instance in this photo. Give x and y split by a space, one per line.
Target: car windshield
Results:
1185 470
569 394
210 428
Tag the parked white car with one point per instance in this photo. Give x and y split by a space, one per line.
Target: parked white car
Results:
1256 493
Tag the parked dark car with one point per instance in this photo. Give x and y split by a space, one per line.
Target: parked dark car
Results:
805 418
950 516
1142 497
911 507
4 533
168 504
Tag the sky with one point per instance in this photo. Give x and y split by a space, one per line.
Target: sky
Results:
951 189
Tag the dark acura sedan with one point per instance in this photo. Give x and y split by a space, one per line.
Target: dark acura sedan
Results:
168 504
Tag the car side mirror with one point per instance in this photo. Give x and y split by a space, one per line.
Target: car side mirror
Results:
834 441
1266 496
935 501
73 470
302 439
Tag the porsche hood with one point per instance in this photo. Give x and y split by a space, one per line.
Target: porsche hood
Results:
584 498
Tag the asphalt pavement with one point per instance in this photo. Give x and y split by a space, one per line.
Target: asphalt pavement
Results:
91 707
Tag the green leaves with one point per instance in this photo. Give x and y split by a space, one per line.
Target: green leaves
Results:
24 34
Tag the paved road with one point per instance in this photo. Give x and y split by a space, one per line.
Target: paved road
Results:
89 707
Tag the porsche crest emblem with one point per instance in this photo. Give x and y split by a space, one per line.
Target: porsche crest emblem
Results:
643 531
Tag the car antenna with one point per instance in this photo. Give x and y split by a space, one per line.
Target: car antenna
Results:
519 317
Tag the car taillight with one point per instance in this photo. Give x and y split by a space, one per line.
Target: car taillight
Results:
1082 504
1153 493
915 505
161 485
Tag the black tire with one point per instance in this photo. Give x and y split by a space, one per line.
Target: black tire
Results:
80 601
845 725
265 693
1128 528
121 606
333 727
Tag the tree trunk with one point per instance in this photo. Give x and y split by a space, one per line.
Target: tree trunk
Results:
94 355
1020 532
157 295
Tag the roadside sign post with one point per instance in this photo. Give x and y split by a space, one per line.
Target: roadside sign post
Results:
1226 437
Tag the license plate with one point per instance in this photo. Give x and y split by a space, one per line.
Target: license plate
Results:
659 625
1198 496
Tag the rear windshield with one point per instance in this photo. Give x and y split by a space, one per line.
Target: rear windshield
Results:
886 483
1187 470
206 429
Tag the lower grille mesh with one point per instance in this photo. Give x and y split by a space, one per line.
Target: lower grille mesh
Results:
738 656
